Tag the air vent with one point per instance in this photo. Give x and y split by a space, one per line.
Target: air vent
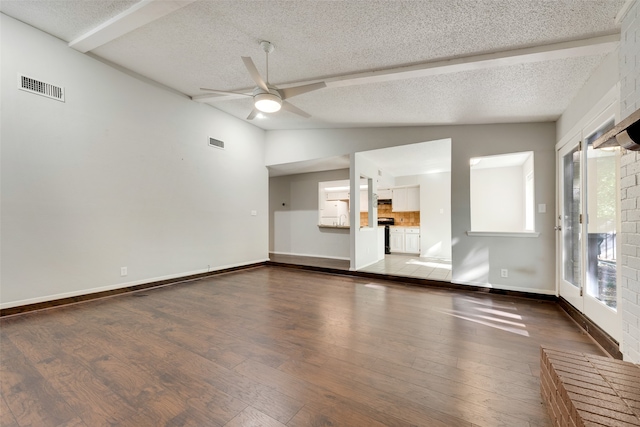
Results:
40 88
216 143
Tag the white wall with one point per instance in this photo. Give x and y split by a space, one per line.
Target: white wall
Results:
293 228
599 83
630 185
475 260
435 212
365 244
118 175
618 79
497 199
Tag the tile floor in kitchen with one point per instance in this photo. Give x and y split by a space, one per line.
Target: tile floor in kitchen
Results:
405 265
412 266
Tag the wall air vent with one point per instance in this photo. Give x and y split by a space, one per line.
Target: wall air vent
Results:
216 143
41 88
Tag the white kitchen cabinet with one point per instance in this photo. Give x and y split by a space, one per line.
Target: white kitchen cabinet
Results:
413 199
412 240
404 240
406 199
384 194
396 239
338 195
399 200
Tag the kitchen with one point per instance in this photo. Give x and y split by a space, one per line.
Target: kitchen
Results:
398 213
303 231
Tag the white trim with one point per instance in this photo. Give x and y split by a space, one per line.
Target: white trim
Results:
311 255
365 266
571 49
507 288
121 285
623 12
611 97
502 234
136 16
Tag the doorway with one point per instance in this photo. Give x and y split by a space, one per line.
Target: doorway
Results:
588 226
413 188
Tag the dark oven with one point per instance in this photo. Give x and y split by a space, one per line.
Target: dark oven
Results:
386 222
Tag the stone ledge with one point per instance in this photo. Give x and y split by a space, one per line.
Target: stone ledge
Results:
583 390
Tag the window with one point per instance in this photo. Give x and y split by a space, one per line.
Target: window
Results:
503 193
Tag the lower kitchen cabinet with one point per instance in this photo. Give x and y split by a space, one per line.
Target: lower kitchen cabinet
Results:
412 241
404 240
396 240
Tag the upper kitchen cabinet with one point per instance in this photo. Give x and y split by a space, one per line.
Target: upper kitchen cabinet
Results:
338 195
406 199
384 194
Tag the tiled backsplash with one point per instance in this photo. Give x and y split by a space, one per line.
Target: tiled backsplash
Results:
405 219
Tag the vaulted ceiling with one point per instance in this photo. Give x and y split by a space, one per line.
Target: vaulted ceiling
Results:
386 63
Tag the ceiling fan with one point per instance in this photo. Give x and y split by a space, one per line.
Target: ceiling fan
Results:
267 98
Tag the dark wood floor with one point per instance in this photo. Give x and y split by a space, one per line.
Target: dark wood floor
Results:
274 346
337 264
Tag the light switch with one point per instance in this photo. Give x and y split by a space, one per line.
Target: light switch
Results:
542 208
254 213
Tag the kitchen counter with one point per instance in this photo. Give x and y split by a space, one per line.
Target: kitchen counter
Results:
344 227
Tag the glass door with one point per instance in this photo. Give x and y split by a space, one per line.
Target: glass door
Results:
588 224
570 223
601 255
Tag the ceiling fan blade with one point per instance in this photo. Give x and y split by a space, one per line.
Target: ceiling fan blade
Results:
252 115
290 92
224 92
255 74
293 109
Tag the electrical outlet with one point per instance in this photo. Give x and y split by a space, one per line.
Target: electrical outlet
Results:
504 273
123 271
254 213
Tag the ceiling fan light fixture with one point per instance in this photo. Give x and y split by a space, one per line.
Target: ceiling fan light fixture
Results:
267 102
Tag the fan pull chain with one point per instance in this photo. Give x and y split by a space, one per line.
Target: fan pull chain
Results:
267 67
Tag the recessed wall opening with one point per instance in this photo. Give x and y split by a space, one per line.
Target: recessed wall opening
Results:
503 193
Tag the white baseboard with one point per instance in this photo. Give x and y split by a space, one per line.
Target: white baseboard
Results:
79 292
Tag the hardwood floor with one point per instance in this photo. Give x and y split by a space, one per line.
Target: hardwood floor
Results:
337 264
274 346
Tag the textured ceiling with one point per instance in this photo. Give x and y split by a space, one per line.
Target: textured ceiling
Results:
200 44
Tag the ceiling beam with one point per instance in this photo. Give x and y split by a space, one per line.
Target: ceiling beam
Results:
556 51
136 16
623 12
565 50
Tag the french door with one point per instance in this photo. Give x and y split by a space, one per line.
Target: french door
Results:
588 225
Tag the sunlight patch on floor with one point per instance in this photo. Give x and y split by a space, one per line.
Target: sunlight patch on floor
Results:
431 264
492 322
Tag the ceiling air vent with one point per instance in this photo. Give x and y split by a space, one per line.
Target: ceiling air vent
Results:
41 88
216 143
